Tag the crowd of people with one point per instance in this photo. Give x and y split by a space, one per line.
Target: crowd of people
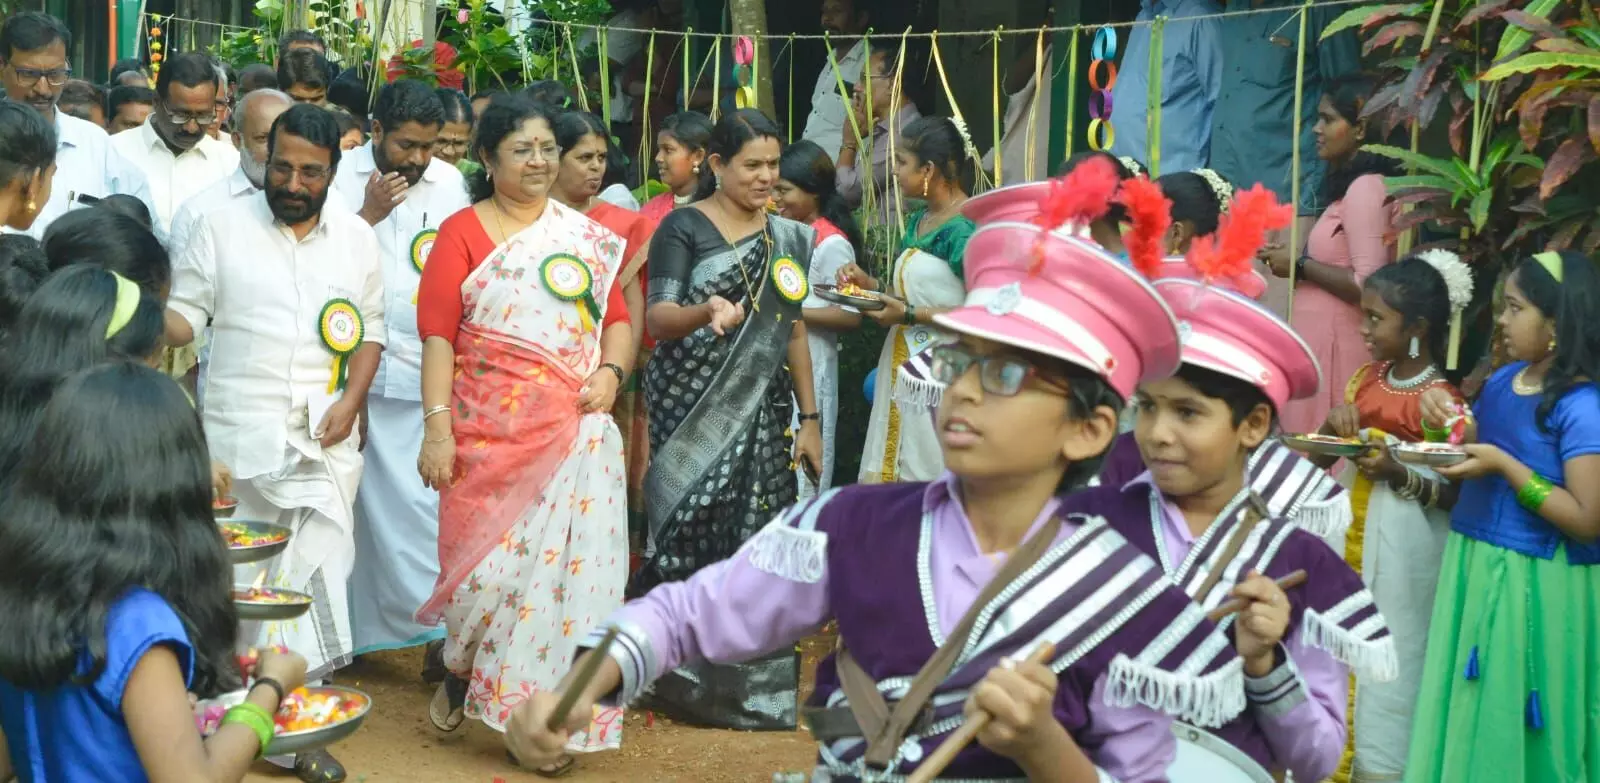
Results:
506 408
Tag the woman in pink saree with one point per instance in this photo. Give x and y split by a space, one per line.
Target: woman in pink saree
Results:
526 341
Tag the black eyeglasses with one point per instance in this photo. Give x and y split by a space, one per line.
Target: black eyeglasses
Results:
184 118
311 175
997 373
55 77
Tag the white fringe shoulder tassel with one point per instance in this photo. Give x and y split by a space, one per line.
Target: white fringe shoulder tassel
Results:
1328 519
1370 658
917 392
792 554
1208 700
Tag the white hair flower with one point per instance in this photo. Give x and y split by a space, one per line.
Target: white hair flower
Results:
1219 187
1457 275
1133 166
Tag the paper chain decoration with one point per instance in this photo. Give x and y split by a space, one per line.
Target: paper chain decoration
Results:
1102 77
155 47
744 57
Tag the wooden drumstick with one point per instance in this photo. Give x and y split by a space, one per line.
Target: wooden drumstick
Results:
1292 580
965 734
580 683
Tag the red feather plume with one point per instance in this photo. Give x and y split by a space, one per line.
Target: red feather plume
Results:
1150 212
1081 197
1228 255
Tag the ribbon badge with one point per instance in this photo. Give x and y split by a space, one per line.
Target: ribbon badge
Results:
567 278
790 279
342 330
421 248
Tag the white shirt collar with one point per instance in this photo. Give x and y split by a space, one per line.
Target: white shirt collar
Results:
71 131
205 148
239 184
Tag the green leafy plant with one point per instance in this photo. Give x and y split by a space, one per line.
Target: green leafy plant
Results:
1520 82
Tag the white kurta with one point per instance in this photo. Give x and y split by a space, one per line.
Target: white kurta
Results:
263 293
86 165
830 255
173 179
397 518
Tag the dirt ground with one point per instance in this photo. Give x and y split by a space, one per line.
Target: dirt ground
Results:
398 743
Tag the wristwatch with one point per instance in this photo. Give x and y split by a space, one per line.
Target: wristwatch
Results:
1300 267
621 376
805 417
910 318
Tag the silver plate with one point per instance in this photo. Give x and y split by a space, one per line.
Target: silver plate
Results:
830 292
263 611
1436 457
225 511
292 742
1306 445
1205 758
251 554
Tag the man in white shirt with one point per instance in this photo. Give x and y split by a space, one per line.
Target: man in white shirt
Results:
33 68
395 184
845 24
172 147
294 296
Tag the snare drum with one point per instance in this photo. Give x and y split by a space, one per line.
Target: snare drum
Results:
1205 758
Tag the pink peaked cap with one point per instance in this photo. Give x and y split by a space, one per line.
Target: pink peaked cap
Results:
1035 280
1222 330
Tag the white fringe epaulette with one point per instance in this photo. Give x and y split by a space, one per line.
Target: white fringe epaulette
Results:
1367 657
1328 519
917 392
1207 700
789 553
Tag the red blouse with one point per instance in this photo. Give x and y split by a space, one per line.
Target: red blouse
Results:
463 243
635 229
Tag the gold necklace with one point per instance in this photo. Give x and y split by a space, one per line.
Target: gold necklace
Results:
495 202
1520 385
738 262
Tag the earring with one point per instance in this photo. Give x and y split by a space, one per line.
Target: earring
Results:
696 169
1552 347
32 206
1414 348
924 188
718 178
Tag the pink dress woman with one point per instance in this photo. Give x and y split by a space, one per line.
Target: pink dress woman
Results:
1351 233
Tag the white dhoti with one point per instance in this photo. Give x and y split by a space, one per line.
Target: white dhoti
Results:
313 494
396 535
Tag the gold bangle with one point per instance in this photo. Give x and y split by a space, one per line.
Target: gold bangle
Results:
434 411
449 437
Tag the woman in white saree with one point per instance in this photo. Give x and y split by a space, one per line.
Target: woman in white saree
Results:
931 161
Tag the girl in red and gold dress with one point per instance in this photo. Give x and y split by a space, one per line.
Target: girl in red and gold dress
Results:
1406 310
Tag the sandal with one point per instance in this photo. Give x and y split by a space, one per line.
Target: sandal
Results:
560 769
447 710
318 766
433 669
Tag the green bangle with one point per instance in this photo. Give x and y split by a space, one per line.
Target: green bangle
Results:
1534 491
1431 435
910 318
255 718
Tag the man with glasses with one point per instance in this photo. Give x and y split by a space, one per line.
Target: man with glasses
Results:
172 147
33 68
395 183
293 292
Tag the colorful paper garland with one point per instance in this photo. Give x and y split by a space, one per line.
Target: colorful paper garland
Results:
1102 78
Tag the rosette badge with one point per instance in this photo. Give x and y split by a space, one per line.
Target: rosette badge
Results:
342 330
567 278
790 279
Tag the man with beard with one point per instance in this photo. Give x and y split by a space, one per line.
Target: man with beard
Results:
294 296
845 23
397 186
33 68
172 147
256 113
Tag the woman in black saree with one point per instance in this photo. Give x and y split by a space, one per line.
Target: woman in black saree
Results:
727 280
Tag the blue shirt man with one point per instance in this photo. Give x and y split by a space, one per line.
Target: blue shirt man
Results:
1252 134
1191 79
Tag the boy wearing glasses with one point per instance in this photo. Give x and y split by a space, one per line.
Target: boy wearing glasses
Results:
173 148
970 593
34 70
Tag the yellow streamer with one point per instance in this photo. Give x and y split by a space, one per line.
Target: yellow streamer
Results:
789 47
1294 173
716 78
1072 90
999 165
644 117
1158 34
897 213
755 68
605 78
955 112
1039 88
688 35
577 72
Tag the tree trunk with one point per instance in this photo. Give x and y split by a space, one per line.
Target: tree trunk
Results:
750 19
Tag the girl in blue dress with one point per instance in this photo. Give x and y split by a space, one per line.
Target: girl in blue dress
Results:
116 591
1509 686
